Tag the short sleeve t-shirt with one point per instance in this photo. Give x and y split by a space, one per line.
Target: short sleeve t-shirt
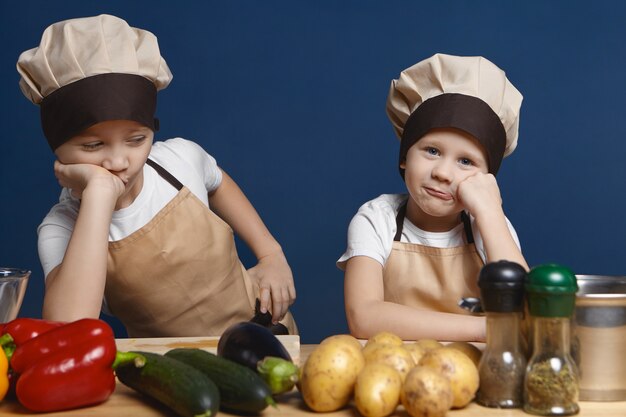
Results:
373 228
184 159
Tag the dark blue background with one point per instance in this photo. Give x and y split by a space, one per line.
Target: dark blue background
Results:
290 98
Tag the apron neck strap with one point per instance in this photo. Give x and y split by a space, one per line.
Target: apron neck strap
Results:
467 226
400 222
402 214
165 174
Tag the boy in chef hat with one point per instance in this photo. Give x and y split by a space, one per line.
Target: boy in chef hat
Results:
133 232
412 257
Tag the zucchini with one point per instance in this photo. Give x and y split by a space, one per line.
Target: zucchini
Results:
179 386
249 343
241 389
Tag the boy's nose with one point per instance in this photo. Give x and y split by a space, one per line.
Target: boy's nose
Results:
443 171
115 161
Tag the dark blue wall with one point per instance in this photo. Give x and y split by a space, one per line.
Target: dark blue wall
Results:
290 98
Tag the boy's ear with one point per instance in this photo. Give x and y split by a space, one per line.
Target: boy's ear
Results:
403 164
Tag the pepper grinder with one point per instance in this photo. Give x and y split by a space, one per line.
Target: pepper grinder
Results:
551 383
503 363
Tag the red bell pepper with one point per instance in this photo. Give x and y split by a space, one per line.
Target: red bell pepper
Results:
67 367
61 338
23 329
18 331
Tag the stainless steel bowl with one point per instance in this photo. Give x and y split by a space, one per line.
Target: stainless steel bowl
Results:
600 337
13 283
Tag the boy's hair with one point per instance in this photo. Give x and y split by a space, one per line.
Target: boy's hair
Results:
467 93
89 70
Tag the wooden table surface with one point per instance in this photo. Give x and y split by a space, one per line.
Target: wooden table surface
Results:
126 402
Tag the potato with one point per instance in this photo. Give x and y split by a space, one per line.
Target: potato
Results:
370 347
458 368
470 350
377 390
429 344
385 338
343 338
329 374
426 393
416 351
395 356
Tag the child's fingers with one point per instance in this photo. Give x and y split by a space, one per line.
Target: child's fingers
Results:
280 303
59 170
277 306
292 294
75 193
288 297
264 296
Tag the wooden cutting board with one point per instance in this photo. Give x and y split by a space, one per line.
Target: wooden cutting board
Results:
126 402
163 344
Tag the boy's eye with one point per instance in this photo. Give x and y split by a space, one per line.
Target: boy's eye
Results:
136 139
91 146
432 151
465 161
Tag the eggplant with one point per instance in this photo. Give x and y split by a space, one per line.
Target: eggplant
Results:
249 343
265 320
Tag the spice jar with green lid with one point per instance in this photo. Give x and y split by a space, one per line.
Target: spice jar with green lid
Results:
503 362
551 382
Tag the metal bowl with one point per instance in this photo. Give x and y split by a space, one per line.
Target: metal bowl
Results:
600 337
13 283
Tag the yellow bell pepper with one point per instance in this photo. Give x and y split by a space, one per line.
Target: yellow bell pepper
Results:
4 374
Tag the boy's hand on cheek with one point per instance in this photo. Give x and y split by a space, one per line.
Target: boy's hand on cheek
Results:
78 177
275 280
480 194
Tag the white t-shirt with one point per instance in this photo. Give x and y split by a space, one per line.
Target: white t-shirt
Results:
185 160
373 228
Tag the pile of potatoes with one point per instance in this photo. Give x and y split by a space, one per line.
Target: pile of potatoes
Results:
426 377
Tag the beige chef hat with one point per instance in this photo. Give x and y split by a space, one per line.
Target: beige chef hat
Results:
467 93
90 70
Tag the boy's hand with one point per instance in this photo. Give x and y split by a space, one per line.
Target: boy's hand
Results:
275 281
480 194
77 177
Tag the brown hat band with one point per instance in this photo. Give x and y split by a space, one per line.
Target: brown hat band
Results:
467 113
83 103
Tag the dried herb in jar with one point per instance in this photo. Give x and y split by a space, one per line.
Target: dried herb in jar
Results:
551 384
547 387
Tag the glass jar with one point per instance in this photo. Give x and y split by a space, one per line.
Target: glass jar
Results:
551 382
503 363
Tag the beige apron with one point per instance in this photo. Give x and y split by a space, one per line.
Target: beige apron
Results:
180 274
431 278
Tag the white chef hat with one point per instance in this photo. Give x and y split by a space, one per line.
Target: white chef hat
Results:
468 93
93 69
